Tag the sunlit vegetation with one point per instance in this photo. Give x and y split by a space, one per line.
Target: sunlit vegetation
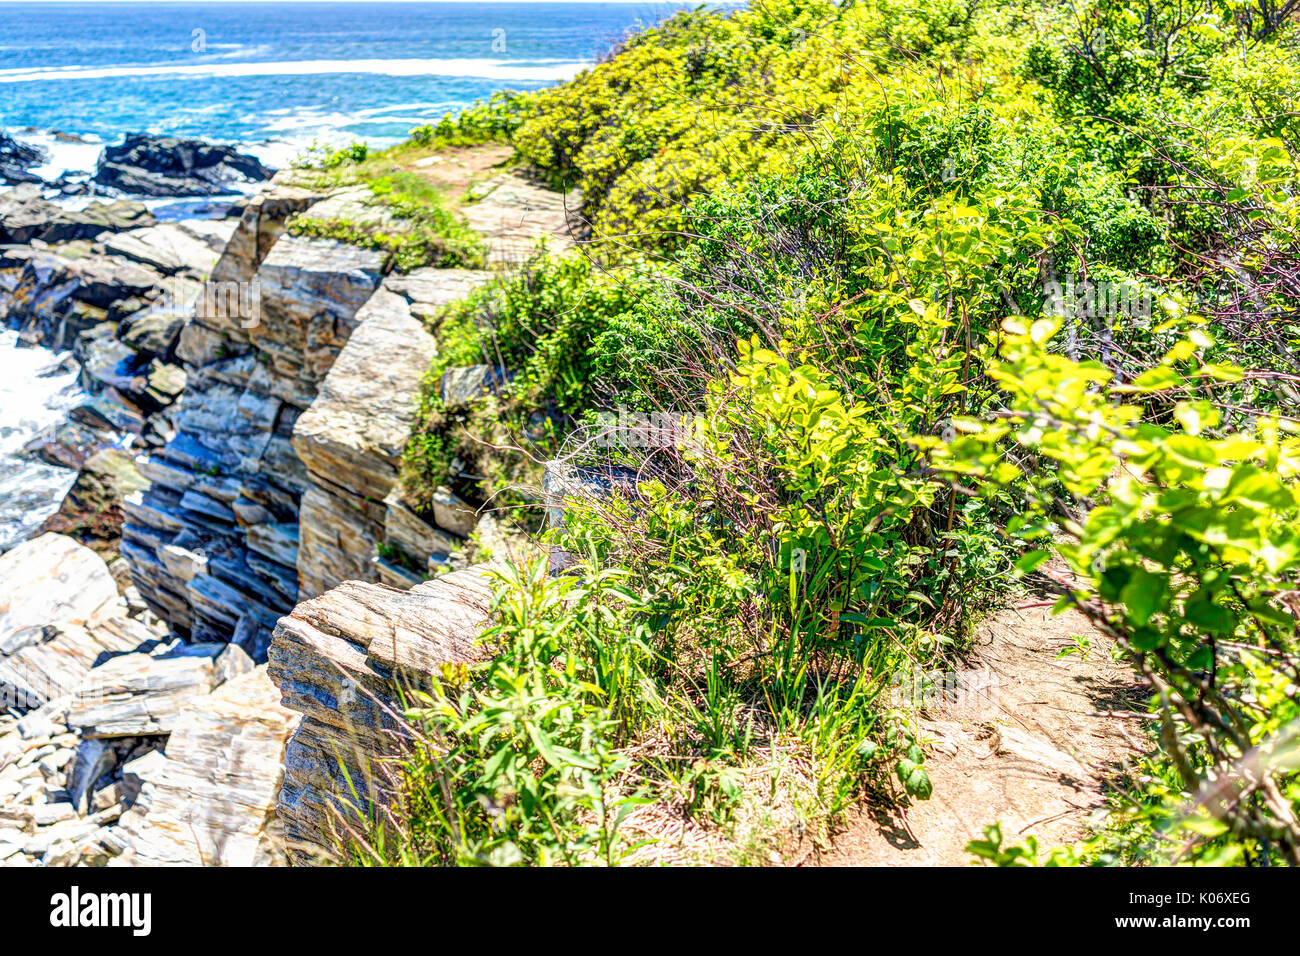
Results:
934 291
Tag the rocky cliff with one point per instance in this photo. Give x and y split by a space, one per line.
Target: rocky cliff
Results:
113 286
270 404
290 431
349 661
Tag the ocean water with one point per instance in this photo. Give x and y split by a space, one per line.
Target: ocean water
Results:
283 74
30 490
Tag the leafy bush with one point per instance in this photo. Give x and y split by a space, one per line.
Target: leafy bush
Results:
1184 540
330 158
493 120
811 248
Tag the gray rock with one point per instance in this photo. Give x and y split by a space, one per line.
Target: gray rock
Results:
167 166
25 215
59 612
343 659
453 513
351 441
137 694
166 247
213 800
464 385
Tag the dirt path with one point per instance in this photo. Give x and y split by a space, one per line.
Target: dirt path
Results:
455 169
508 207
1031 751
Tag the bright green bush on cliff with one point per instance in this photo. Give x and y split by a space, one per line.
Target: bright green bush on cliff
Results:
1184 542
860 233
704 97
493 120
541 324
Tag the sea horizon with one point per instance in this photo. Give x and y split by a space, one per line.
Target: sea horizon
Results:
276 78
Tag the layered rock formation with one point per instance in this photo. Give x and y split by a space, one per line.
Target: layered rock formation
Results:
212 802
212 542
133 747
347 660
113 287
299 402
352 438
273 480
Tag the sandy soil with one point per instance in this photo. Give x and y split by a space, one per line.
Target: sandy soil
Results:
455 169
1031 745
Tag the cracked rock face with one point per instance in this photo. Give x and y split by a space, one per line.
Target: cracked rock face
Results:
343 660
351 441
257 420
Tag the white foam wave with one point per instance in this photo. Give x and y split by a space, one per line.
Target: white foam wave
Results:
508 70
63 156
30 490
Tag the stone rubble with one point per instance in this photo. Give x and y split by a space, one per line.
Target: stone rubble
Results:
119 742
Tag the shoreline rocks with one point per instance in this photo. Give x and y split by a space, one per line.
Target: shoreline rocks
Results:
26 215
15 158
147 165
133 747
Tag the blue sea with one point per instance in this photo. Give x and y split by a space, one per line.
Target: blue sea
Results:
282 74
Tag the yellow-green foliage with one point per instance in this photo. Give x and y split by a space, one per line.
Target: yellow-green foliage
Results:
839 215
1193 538
704 97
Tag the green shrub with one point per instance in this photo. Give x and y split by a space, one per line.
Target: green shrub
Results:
1184 541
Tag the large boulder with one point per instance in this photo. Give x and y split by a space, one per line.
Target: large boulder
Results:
60 614
149 165
26 215
15 158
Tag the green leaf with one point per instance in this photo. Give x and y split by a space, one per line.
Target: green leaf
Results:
1031 560
918 784
1154 380
1144 595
